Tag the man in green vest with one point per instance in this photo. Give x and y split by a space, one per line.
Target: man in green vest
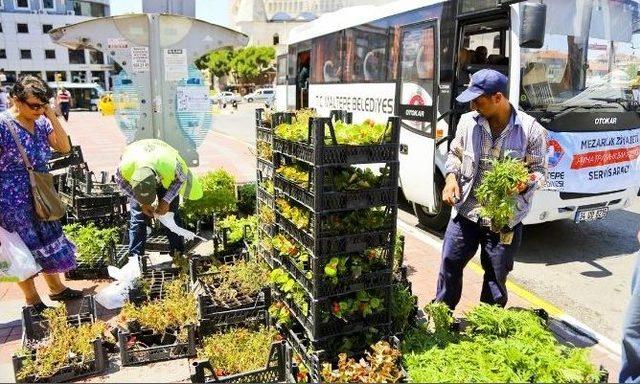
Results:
151 169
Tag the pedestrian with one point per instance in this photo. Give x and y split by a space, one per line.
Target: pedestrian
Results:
493 128
64 102
4 99
38 130
3 77
151 169
630 371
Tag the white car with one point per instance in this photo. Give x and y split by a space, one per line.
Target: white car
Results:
263 94
226 97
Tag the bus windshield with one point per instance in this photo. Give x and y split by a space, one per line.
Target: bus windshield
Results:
590 57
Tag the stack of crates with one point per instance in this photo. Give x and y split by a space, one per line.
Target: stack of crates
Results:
334 272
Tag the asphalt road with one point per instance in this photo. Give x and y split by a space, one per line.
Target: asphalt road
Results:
584 269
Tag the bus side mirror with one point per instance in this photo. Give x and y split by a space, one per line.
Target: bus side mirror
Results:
534 18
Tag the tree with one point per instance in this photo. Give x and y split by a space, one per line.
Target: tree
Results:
219 62
251 62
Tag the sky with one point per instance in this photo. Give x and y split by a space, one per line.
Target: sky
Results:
213 11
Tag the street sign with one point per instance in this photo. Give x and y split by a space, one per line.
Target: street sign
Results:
159 93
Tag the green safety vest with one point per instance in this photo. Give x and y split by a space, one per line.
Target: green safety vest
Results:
163 159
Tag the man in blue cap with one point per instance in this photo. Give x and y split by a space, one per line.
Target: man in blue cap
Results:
492 130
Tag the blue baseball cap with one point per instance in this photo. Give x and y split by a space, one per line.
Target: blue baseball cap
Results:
485 81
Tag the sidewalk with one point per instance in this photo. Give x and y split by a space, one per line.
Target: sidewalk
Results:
102 145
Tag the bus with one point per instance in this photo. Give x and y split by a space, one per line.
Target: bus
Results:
572 64
83 95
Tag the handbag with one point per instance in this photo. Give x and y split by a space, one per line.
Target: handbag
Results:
46 201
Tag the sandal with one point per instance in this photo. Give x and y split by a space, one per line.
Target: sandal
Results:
66 294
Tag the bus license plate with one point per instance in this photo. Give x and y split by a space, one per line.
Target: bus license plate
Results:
591 214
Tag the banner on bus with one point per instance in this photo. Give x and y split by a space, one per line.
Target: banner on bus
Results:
593 162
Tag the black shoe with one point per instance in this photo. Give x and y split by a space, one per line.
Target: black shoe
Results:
40 307
67 294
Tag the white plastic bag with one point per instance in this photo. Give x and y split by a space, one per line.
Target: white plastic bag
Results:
16 260
169 221
116 293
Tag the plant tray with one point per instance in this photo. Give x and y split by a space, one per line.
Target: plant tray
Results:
321 288
81 207
320 325
156 280
35 326
164 350
61 161
260 121
97 267
327 201
339 244
69 373
274 371
264 197
315 152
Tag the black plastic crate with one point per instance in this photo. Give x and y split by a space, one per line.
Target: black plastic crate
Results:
274 371
35 326
155 280
319 242
61 161
97 267
168 349
322 288
81 207
213 313
325 201
69 373
317 153
261 120
319 323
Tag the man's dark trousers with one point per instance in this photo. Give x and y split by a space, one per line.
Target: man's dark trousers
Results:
138 226
461 241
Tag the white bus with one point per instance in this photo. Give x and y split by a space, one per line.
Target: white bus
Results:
573 64
83 95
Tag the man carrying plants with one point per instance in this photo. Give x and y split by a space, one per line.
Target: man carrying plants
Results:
151 169
493 133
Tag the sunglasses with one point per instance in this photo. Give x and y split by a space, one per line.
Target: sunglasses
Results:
34 106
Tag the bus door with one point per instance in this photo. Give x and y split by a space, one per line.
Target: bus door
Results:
280 101
416 97
302 79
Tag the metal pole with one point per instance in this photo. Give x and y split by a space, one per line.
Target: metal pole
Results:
155 81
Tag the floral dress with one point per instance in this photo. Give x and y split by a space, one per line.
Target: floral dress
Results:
50 248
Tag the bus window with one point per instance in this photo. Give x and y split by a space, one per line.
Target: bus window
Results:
291 65
282 70
365 54
327 65
394 49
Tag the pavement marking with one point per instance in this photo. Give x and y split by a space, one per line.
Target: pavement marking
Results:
249 145
609 345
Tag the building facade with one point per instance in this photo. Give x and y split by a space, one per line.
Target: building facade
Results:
269 22
176 7
26 48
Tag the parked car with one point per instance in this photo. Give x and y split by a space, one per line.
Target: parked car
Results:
226 97
263 94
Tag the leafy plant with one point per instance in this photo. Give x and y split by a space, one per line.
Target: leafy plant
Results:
280 313
381 365
92 244
363 304
364 133
266 215
247 199
235 227
244 277
65 345
267 185
219 196
298 216
174 310
498 345
499 188
353 178
292 250
264 150
403 304
358 221
295 173
238 350
291 289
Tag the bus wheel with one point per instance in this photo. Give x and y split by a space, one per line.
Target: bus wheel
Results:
435 220
94 108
